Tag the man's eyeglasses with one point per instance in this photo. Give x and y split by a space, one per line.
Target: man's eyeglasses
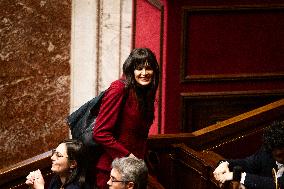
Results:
112 179
57 154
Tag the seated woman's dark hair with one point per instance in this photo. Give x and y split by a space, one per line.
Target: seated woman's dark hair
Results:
273 137
76 151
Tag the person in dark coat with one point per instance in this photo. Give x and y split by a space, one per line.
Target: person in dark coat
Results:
126 113
263 169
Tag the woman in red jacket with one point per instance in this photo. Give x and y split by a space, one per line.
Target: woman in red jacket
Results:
127 112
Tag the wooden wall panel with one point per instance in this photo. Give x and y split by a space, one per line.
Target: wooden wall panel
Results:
232 43
191 171
203 109
211 47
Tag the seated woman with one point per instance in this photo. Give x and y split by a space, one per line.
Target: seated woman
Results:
67 164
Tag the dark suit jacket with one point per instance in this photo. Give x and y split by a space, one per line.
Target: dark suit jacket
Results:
258 168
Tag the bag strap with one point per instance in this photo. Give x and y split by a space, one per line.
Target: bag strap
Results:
125 95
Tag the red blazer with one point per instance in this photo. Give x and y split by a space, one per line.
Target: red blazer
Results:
120 128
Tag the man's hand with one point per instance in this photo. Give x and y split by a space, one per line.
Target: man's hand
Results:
227 176
220 171
280 172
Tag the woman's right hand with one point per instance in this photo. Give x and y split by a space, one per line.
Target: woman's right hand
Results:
35 180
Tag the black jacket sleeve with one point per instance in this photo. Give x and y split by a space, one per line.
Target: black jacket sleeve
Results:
258 168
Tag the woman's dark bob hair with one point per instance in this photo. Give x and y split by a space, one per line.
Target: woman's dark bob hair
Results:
138 57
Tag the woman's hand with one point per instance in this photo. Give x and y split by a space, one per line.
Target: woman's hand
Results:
35 180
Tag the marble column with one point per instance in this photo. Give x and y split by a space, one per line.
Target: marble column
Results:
101 41
34 76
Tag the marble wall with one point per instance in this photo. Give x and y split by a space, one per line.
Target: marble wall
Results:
54 56
35 38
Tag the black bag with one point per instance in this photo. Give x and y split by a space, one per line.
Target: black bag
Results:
81 121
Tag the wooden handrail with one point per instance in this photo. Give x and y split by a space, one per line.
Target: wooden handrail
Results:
232 132
202 164
239 125
16 173
242 122
205 161
272 107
